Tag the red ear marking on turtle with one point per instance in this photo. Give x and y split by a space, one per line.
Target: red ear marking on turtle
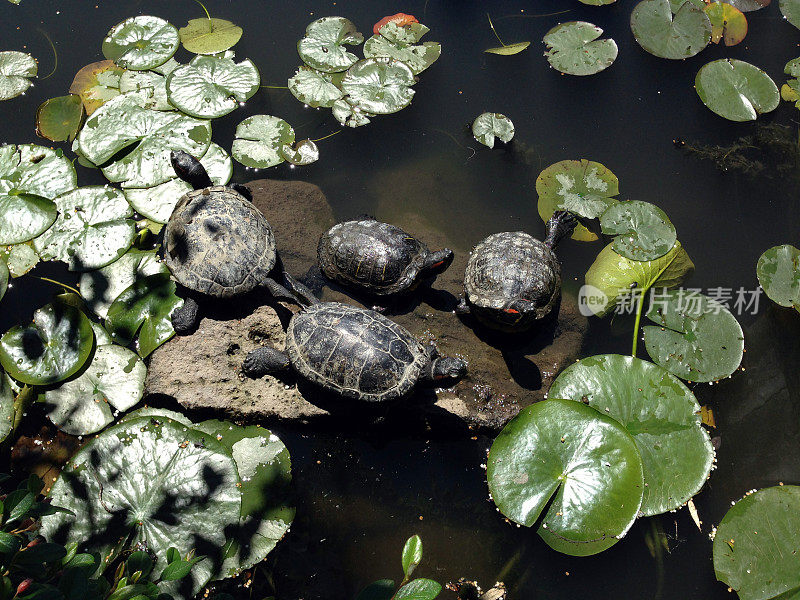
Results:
438 264
512 311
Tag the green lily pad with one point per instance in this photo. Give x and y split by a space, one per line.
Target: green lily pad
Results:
402 43
665 35
52 348
24 216
6 406
93 228
210 87
736 90
574 48
323 47
302 153
612 276
315 88
727 23
142 312
644 232
96 84
141 43
697 338
578 464
755 546
380 86
16 69
488 126
259 140
156 83
153 481
791 11
3 278
749 5
659 412
209 36
350 114
778 273
508 49
19 258
790 91
59 119
583 187
113 379
36 170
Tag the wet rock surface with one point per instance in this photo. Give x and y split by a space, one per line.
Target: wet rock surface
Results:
202 370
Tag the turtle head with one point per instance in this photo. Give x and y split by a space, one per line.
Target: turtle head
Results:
448 369
559 226
437 262
188 168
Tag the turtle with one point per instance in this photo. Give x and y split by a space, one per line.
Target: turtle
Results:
376 258
217 243
354 352
512 279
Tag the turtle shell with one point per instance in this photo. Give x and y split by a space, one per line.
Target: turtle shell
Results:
375 257
218 243
354 352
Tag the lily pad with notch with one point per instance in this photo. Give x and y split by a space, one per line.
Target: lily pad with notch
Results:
666 35
16 71
778 272
790 9
96 84
727 23
209 35
350 114
380 86
24 216
401 42
302 153
59 119
644 232
141 43
736 90
323 47
36 170
574 48
259 140
316 88
489 126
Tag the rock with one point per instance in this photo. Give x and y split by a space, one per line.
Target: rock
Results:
202 370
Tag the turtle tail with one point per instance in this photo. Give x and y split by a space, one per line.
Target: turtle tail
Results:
559 226
304 296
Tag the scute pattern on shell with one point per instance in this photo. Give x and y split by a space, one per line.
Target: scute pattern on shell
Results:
355 352
218 243
376 257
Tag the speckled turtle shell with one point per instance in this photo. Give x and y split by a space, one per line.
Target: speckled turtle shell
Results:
354 352
376 257
218 243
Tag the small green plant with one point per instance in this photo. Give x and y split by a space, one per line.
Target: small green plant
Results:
409 589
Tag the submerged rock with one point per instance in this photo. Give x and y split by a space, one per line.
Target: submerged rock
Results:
202 370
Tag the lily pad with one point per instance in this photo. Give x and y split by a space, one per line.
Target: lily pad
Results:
402 43
141 43
302 153
59 119
36 170
574 48
315 88
488 126
755 547
3 278
96 84
16 69
697 338
379 85
791 11
665 35
778 273
50 349
114 379
24 216
209 36
93 228
736 90
790 91
583 187
579 465
323 47
659 412
509 49
727 23
749 5
153 481
259 140
147 80
6 406
142 312
644 232
210 87
350 114
19 258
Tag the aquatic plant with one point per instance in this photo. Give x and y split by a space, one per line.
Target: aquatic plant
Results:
16 70
505 49
728 23
778 272
409 589
669 29
488 126
736 90
209 35
574 48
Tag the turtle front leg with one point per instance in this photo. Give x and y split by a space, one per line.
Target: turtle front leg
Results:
185 318
462 308
264 361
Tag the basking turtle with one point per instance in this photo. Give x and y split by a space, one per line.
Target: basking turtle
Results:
354 352
377 258
513 279
217 243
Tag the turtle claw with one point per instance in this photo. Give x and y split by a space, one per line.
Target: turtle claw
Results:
559 226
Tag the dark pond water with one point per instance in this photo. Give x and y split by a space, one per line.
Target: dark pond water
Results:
360 497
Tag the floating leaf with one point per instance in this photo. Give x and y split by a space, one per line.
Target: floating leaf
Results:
323 47
7 410
20 258
749 5
16 69
419 589
59 119
727 23
509 49
259 140
658 411
578 464
778 273
350 114
573 48
412 555
141 43
400 19
697 338
304 152
53 347
488 126
96 84
24 216
209 36
644 232
315 88
402 43
210 87
36 170
156 83
736 90
667 36
791 11
379 85
597 2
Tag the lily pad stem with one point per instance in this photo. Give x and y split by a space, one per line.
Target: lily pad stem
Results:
275 87
494 30
327 136
53 281
205 10
639 306
55 53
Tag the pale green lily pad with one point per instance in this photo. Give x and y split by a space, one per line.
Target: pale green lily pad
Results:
96 84
302 153
59 119
259 140
379 85
209 36
509 49
6 406
36 170
791 11
574 48
644 232
597 2
488 126
210 87
659 412
736 90
323 47
349 114
778 273
402 43
19 258
4 274
141 43
16 69
24 216
112 381
131 81
665 35
315 88
93 228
